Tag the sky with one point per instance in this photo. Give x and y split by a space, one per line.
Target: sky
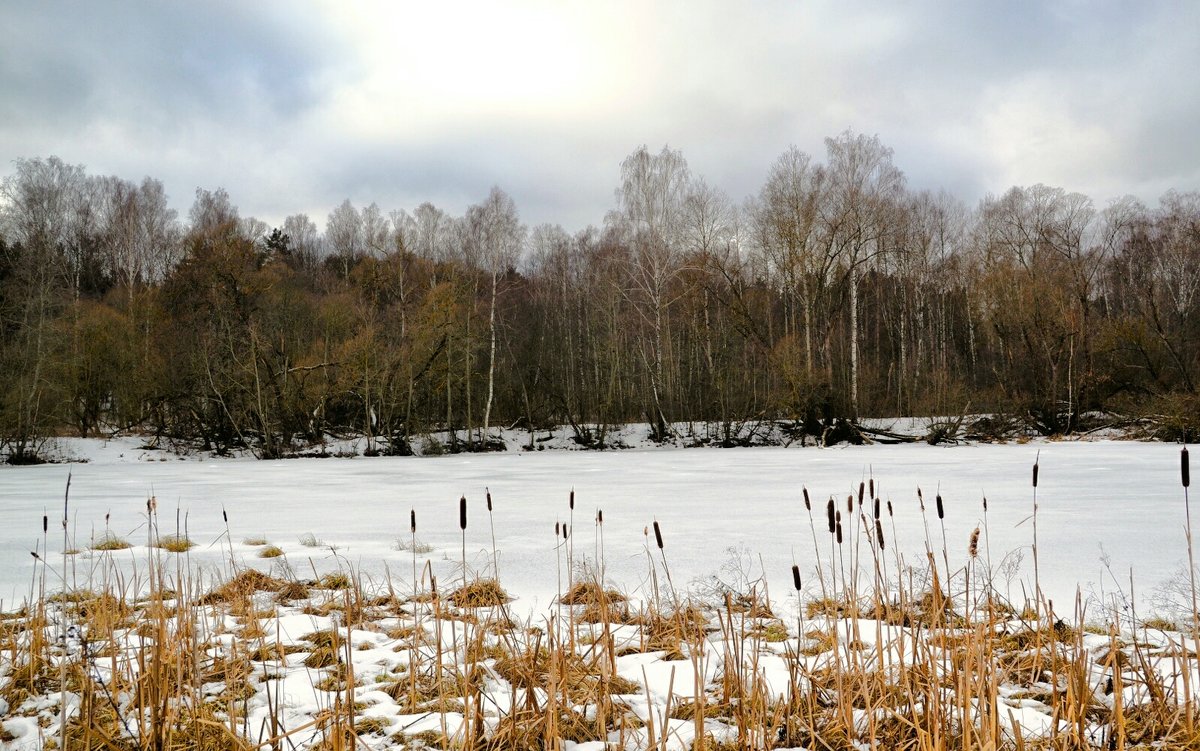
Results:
294 106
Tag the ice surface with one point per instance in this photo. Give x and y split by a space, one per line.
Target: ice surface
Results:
1104 500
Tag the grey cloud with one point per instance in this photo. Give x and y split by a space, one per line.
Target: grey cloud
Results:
152 67
239 95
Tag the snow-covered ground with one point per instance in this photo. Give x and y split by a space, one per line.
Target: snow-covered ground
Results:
1107 510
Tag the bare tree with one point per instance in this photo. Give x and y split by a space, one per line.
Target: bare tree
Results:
784 230
139 232
376 232
305 240
344 235
212 213
653 190
864 188
495 239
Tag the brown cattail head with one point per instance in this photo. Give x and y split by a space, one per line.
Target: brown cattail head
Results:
861 488
600 516
871 486
1184 473
850 504
433 584
876 508
571 501
879 534
829 514
566 531
224 515
489 499
657 535
921 500
1035 472
45 523
941 511
985 504
412 521
889 508
839 532
106 518
796 577
973 548
807 502
557 529
462 513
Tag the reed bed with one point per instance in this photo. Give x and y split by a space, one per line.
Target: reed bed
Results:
873 648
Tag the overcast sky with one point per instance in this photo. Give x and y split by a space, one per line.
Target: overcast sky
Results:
295 106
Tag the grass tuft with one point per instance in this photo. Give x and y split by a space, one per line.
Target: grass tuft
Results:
481 593
109 541
174 543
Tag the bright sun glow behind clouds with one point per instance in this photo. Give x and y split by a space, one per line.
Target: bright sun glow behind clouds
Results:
428 67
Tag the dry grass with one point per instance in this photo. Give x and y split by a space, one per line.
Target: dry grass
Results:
880 658
481 593
591 593
174 543
109 541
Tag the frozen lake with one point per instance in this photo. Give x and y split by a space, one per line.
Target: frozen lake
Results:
1115 501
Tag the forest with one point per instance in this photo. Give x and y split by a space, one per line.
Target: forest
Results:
835 292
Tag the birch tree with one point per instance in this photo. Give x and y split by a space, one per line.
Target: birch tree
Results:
495 237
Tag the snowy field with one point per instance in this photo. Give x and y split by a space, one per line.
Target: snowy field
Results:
1106 509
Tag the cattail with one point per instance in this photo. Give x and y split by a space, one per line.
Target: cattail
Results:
462 513
489 499
871 486
829 513
807 503
433 584
1184 473
557 529
412 521
889 508
876 508
861 487
941 511
796 577
224 515
1035 472
45 523
973 548
985 504
106 518
566 529
658 535
879 534
921 500
571 502
600 516
850 504
839 532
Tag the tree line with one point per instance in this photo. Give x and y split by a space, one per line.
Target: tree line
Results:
834 292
